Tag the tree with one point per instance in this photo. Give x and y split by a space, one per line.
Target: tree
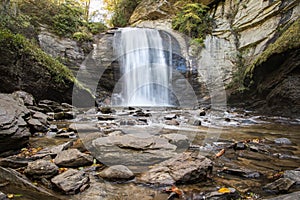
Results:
193 20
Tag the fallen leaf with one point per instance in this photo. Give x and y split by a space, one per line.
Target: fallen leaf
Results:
256 141
62 169
220 153
10 196
224 190
174 192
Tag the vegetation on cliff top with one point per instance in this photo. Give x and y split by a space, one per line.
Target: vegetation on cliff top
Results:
64 18
122 11
193 20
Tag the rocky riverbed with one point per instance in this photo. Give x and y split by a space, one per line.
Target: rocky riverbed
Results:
56 151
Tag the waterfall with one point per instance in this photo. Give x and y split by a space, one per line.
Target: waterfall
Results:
145 74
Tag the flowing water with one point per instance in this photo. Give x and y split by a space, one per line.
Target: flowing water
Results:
145 73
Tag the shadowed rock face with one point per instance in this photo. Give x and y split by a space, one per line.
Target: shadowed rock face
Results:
14 133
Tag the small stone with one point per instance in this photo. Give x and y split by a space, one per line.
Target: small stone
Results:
51 134
73 158
41 169
282 141
69 115
170 117
106 110
117 172
240 146
53 128
197 122
70 181
143 120
279 186
227 119
172 122
202 113
59 115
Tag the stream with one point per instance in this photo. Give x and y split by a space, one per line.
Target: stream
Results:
257 150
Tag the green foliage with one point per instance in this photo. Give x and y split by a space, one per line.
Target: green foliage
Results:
20 46
122 12
193 20
63 18
82 36
96 27
68 19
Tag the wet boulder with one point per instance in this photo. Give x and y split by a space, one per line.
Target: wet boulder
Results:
281 185
20 183
71 181
282 141
41 169
117 172
187 167
131 149
14 133
72 158
293 175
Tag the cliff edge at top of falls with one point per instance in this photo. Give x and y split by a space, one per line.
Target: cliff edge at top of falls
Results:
243 32
161 9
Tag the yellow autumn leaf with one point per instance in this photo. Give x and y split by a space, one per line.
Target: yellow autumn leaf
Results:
224 190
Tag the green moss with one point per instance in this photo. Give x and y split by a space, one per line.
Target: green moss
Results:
20 46
290 39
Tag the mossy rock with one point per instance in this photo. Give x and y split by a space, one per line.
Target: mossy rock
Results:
24 66
289 40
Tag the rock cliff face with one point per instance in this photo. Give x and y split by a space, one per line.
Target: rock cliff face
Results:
69 52
14 133
243 31
24 66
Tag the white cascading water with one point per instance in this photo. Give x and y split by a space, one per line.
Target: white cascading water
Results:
145 73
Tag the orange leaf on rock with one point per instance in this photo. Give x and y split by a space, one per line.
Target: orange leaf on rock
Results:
224 190
220 153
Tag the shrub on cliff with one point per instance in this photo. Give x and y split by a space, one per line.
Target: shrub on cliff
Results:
193 20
